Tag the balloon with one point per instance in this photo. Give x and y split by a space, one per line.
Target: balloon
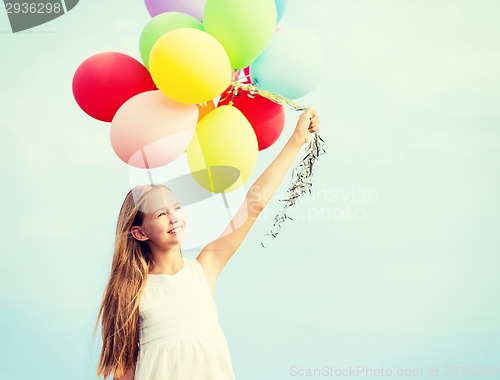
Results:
189 66
246 73
190 7
103 82
280 9
266 117
223 152
205 108
161 24
150 130
292 64
243 27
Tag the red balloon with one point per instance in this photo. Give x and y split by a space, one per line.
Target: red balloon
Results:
103 82
266 117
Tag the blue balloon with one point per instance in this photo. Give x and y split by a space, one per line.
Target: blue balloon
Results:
280 9
292 64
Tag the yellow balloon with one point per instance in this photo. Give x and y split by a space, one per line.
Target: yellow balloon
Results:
189 66
223 152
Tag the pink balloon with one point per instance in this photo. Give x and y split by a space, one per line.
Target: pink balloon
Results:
191 7
150 130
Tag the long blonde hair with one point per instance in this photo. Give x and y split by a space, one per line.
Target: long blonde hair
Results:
119 310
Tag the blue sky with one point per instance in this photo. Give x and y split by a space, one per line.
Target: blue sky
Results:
391 262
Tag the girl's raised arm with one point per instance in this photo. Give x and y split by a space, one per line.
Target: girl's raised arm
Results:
217 253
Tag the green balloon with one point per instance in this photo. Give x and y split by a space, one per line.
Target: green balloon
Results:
243 27
161 24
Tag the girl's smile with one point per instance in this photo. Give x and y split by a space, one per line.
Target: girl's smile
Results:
175 231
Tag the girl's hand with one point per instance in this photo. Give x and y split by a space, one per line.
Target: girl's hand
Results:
307 124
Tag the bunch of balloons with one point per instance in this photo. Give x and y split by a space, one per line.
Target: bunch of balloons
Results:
181 98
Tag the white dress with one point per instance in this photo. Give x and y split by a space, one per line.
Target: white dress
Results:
179 333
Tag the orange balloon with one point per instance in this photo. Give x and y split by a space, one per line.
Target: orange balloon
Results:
205 108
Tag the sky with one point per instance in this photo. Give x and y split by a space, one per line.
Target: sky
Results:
390 264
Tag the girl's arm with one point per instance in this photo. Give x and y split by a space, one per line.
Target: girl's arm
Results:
217 253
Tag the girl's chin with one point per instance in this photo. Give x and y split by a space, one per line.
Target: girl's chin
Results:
181 236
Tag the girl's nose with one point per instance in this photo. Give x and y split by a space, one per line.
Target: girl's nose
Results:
173 216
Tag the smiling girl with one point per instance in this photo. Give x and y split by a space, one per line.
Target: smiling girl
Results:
158 315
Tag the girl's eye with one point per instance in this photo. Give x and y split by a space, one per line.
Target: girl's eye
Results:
167 212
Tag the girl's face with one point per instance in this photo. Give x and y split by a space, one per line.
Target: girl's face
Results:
164 222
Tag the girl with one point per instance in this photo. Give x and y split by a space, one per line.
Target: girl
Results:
158 314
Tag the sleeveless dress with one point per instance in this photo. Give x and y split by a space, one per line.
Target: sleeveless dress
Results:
179 333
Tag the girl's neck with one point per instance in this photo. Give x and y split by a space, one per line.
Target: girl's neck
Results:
167 262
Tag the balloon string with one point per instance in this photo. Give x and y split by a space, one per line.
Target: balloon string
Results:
302 174
253 90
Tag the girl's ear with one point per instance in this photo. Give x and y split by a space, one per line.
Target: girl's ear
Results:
138 233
